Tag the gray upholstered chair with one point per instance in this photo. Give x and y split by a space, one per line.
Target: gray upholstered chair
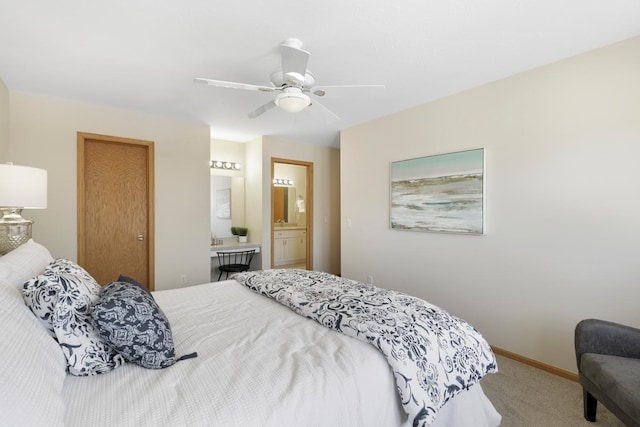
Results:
608 357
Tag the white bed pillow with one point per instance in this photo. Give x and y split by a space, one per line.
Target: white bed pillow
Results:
32 368
23 263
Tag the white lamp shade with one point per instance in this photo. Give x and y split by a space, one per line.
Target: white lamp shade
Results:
23 187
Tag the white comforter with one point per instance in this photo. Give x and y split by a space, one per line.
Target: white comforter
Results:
258 364
433 355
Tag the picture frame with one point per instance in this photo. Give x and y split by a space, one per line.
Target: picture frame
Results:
439 193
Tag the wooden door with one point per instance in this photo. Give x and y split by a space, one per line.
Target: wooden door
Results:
115 208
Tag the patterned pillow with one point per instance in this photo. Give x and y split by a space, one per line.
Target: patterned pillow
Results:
130 320
128 279
62 297
41 295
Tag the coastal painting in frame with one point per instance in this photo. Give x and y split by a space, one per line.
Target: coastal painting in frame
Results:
443 193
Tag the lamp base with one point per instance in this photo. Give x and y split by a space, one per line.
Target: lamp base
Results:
14 229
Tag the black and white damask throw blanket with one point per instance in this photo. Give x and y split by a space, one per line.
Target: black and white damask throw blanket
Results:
433 354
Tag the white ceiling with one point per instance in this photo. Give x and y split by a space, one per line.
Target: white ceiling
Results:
142 55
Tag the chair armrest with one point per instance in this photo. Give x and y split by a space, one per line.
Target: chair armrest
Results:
603 337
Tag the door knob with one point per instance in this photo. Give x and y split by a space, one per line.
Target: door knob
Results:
141 237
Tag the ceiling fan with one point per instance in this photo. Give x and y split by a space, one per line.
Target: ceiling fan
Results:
293 81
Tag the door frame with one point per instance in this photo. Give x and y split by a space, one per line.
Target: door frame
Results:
82 138
308 207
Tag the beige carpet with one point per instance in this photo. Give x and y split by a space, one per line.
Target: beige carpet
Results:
529 397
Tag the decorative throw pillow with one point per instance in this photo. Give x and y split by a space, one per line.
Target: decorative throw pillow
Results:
41 295
129 319
41 292
63 296
128 279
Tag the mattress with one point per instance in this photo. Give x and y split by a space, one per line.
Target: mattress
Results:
258 364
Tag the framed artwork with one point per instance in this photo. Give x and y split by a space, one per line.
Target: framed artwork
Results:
223 203
442 193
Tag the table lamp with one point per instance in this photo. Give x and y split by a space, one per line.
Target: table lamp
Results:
21 187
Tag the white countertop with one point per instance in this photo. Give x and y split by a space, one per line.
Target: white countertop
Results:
234 247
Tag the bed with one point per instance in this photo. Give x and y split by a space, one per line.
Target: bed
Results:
259 363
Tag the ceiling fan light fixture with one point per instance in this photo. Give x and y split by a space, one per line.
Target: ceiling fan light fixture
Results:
292 101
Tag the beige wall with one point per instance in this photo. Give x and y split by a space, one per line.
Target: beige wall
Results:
228 151
562 144
326 195
43 134
254 199
4 123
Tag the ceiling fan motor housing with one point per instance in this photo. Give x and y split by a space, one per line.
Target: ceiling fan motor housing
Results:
278 78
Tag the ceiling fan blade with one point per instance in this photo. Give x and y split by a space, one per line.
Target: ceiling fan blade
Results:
234 85
262 109
345 90
294 60
330 115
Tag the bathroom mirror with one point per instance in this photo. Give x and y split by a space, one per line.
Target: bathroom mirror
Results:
227 204
284 199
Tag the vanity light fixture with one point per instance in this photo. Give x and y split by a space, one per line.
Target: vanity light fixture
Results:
282 182
221 164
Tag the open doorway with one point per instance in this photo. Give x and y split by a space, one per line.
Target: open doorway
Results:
291 214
